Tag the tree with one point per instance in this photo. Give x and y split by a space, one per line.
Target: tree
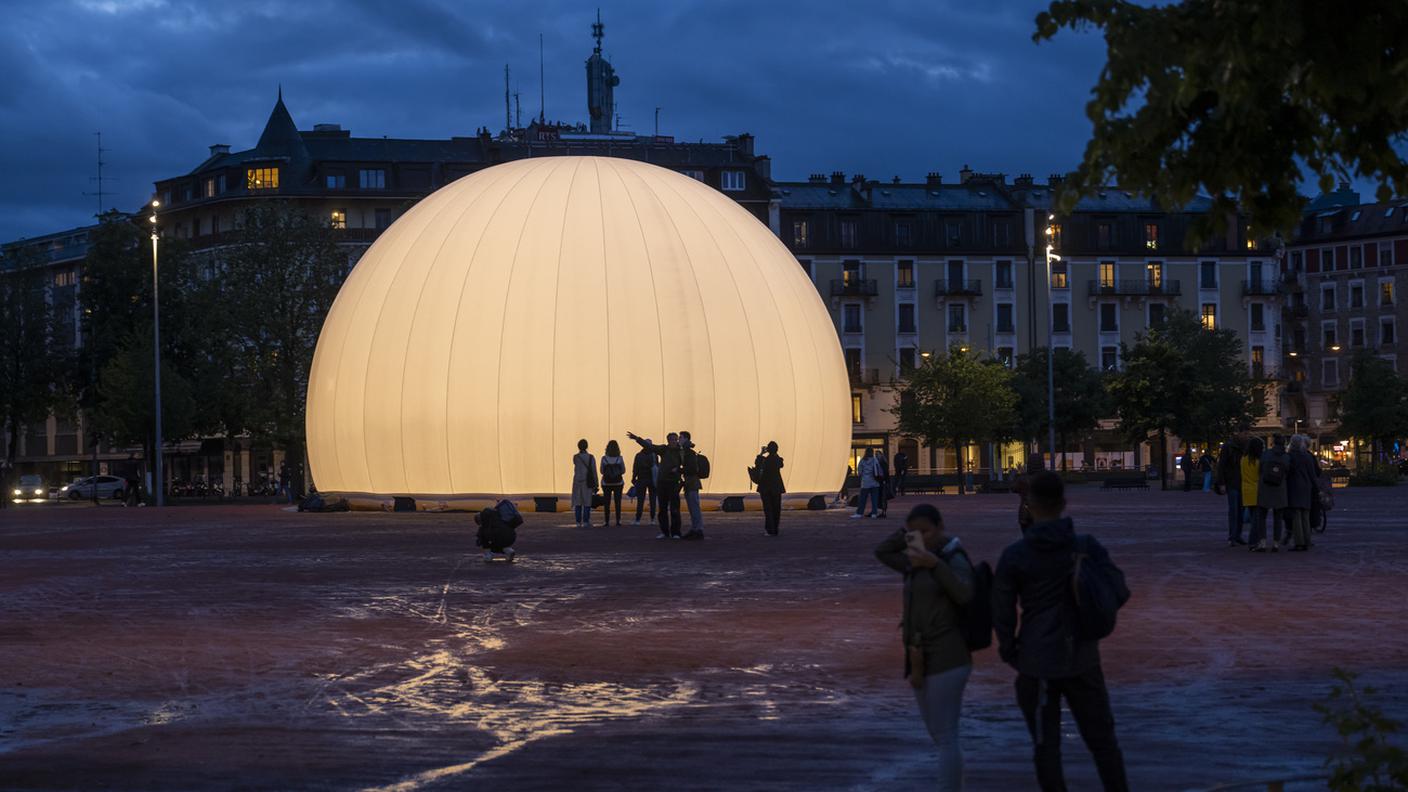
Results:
1080 396
1237 100
1185 380
33 361
1374 404
958 399
287 267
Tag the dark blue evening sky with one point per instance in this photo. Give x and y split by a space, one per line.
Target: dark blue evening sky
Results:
883 88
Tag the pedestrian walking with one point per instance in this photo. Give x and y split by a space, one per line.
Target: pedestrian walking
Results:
1271 501
882 464
901 470
1229 480
1205 467
1054 652
768 469
584 485
613 481
869 471
643 482
284 478
691 468
1251 474
668 482
1186 465
938 582
1301 492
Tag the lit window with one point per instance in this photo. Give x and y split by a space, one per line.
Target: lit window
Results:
336 181
904 275
262 179
857 416
209 189
1109 358
801 233
1107 275
1386 292
339 218
1054 238
1156 276
735 181
1151 236
371 179
1209 316
1058 275
1258 362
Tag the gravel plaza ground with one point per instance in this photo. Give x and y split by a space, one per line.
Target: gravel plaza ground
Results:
250 647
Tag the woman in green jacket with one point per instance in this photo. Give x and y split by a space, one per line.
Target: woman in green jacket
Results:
938 581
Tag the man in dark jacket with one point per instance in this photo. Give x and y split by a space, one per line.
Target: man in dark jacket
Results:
882 466
668 482
643 480
1051 661
901 470
1186 465
1301 492
1229 479
768 467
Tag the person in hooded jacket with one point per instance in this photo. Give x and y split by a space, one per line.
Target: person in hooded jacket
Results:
1052 662
768 465
643 480
1271 498
1300 492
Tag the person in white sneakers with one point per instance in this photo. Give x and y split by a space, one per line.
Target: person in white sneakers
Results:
494 536
869 472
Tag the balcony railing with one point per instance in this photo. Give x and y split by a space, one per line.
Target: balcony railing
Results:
957 288
1261 288
1135 288
854 287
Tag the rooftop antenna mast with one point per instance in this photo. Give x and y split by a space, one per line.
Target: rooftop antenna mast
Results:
100 179
508 109
542 90
657 122
517 111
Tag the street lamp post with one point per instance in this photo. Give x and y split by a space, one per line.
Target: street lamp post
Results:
1050 341
158 485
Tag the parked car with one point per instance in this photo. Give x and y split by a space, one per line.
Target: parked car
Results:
106 486
30 487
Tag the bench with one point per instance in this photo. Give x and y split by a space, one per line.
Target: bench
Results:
1126 482
992 486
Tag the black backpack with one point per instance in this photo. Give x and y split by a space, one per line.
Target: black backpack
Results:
701 466
976 614
1099 593
1273 473
508 513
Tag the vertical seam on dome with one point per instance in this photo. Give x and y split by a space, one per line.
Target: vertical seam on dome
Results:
743 308
556 292
606 282
650 270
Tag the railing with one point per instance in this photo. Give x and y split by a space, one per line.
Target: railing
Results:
945 287
854 287
1135 288
1260 288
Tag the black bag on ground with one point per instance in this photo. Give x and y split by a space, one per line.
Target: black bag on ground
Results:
1099 593
493 535
976 615
509 513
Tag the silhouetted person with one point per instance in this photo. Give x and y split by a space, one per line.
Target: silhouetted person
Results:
770 487
1251 474
690 485
1021 485
613 481
869 472
1052 660
1271 498
1187 465
584 484
1229 478
882 463
668 481
643 479
901 470
1300 492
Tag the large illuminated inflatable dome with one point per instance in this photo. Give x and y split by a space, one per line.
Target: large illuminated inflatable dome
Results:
541 301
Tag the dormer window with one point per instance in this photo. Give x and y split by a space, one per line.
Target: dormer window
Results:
371 179
262 179
734 181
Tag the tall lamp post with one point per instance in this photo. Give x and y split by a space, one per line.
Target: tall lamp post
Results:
159 484
1050 339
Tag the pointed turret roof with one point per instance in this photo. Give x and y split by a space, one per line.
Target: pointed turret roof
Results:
280 137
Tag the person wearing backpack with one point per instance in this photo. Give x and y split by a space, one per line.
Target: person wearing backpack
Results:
584 484
667 481
1069 591
613 481
767 469
1271 496
938 583
693 467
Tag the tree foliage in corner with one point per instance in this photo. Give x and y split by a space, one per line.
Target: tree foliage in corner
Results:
1080 396
957 399
1234 99
1374 404
1185 380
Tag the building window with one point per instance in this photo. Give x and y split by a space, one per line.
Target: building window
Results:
215 224
1054 238
68 278
1155 272
371 179
801 233
1356 295
1327 297
1107 274
1003 275
1109 358
1356 260
1356 332
1151 236
1385 254
1060 317
1001 233
1258 362
906 360
339 218
1330 373
904 274
1004 318
208 190
1387 334
1104 235
262 179
697 175
906 324
1327 259
850 272
1058 275
1156 314
1006 356
1330 336
904 233
1109 318
1385 292
1207 275
857 414
336 181
957 322
848 234
1251 240
1258 317
853 363
187 193
953 233
1209 316
850 318
1297 261
734 180
383 218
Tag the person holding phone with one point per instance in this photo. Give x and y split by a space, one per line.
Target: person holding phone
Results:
770 488
938 581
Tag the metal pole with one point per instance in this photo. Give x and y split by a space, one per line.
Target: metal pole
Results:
1050 350
156 354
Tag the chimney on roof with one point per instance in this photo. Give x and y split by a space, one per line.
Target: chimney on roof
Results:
1056 179
933 179
837 177
858 180
895 180
817 178
745 144
965 174
219 149
1024 180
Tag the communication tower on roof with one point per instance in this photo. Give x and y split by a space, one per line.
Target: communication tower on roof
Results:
601 80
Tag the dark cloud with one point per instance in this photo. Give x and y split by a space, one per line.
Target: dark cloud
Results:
880 87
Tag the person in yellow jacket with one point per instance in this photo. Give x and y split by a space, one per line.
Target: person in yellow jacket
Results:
1251 476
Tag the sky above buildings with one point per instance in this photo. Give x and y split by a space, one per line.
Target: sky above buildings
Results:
881 88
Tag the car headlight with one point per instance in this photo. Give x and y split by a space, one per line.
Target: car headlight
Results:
39 492
64 488
19 492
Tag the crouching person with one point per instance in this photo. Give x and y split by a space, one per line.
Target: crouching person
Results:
938 582
497 535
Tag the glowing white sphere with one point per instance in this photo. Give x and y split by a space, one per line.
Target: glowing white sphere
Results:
541 301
